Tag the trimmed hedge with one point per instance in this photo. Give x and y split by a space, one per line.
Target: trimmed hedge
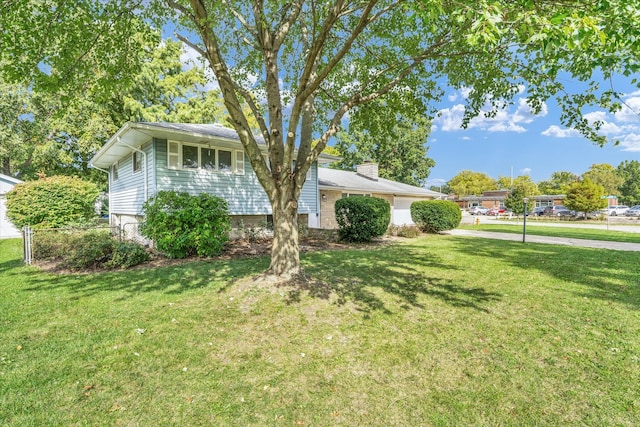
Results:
183 225
52 202
362 218
434 216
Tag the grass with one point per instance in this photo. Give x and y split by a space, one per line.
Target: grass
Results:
573 233
440 330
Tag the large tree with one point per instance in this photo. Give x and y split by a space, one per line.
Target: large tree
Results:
585 196
301 65
558 182
400 152
605 175
523 181
42 134
470 183
630 187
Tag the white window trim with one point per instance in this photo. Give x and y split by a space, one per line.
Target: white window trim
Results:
237 158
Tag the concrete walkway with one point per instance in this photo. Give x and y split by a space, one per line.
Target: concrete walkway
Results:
598 244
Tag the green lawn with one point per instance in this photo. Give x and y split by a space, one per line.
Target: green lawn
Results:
440 330
573 233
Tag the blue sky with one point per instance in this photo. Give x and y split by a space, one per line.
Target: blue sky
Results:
527 144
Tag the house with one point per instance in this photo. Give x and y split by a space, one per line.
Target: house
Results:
495 199
7 229
335 184
142 159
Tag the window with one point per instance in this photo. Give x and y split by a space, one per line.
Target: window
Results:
136 160
208 158
193 157
190 157
114 172
355 195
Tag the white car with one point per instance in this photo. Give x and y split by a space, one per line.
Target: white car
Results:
616 210
478 210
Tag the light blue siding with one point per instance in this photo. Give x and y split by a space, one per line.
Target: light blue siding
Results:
243 193
127 193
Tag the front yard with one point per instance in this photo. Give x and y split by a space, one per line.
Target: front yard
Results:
439 330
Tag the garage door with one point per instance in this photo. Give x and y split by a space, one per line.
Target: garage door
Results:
402 210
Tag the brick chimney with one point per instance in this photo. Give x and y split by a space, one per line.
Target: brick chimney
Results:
368 169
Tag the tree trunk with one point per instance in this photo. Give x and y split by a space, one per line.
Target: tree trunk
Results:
285 253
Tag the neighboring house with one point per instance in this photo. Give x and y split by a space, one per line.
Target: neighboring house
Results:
335 184
496 198
7 229
145 158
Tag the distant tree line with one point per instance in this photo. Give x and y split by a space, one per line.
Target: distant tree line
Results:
622 181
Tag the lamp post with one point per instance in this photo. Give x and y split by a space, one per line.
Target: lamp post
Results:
524 222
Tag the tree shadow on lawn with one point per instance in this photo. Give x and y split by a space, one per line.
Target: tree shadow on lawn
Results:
352 276
396 270
587 267
216 274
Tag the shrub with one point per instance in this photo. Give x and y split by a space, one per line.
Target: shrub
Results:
362 218
52 202
50 244
183 225
408 231
89 250
127 254
434 216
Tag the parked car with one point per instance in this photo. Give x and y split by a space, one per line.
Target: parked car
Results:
633 211
557 210
538 211
616 210
496 211
478 210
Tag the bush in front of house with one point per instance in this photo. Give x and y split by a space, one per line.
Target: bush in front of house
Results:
86 249
434 216
52 202
362 218
182 225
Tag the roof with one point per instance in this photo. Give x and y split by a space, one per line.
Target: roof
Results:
333 179
134 134
9 179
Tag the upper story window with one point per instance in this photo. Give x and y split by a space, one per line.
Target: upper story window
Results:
136 161
194 157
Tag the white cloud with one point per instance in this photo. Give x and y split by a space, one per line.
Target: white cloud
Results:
450 119
630 112
524 113
631 142
558 132
452 97
506 127
525 171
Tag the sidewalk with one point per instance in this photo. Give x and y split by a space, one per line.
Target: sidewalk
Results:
598 244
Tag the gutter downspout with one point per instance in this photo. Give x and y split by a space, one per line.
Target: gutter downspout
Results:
145 169
108 185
